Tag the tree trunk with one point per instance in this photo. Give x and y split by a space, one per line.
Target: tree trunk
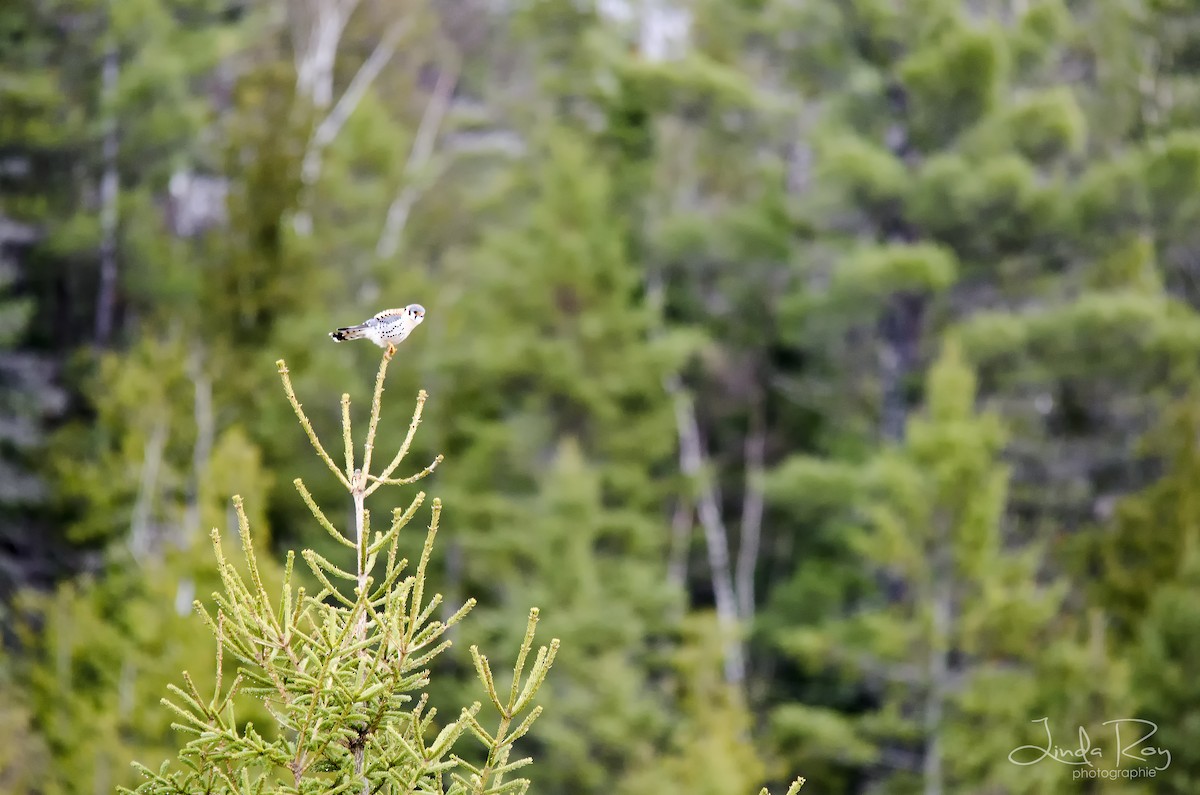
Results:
681 536
106 294
315 56
202 451
900 330
716 538
938 663
752 516
142 542
938 671
418 156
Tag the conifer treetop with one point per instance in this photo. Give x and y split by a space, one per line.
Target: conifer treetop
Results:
344 673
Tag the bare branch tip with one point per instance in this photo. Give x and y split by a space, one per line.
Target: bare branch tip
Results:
282 365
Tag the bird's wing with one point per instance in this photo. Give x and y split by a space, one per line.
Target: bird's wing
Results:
387 316
399 323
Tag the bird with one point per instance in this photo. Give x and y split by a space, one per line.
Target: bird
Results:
387 329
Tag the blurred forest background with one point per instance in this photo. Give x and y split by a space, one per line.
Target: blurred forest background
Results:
827 371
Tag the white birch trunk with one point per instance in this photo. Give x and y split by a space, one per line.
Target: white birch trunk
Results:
141 540
753 502
418 156
317 31
202 411
692 462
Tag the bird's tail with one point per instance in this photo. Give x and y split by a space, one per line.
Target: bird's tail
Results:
349 333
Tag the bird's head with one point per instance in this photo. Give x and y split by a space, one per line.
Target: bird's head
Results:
416 312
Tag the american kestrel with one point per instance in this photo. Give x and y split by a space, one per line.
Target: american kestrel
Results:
387 329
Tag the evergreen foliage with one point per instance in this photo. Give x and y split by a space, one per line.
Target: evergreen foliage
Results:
553 420
343 673
28 397
757 330
953 607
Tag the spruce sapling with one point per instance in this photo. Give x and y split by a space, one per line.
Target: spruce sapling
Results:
343 673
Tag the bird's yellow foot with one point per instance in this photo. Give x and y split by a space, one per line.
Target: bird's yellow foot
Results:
390 352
